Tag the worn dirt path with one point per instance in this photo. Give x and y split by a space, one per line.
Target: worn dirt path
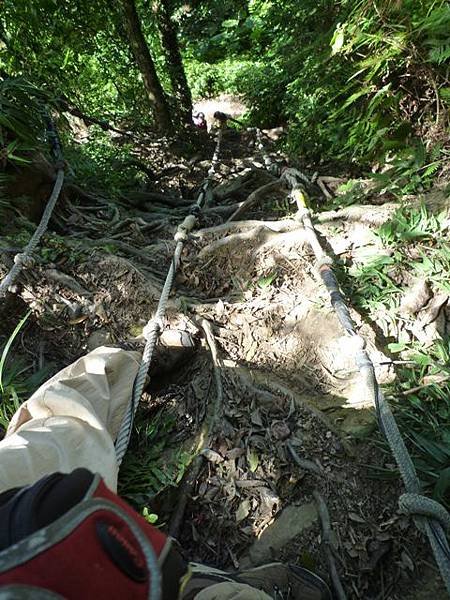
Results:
287 371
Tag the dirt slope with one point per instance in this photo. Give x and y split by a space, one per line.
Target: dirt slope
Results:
288 375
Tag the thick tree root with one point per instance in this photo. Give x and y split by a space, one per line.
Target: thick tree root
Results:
377 215
274 187
206 435
263 231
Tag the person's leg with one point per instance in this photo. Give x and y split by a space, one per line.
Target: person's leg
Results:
71 421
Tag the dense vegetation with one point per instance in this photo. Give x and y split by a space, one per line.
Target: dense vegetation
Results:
355 81
362 86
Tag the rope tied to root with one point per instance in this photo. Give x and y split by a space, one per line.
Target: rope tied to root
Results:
24 259
153 328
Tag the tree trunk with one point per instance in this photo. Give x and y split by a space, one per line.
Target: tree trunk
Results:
168 32
146 66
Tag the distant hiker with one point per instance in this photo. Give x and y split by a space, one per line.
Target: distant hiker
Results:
66 534
199 120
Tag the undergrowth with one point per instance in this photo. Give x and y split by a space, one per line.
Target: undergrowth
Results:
154 462
18 380
416 247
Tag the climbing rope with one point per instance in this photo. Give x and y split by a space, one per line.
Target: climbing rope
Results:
429 515
153 328
25 259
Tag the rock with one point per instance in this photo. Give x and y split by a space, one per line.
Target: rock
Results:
292 522
416 297
98 338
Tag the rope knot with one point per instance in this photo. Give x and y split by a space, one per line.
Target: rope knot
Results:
325 261
180 236
417 505
153 327
185 228
24 260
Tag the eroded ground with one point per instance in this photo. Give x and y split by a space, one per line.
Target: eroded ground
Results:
290 386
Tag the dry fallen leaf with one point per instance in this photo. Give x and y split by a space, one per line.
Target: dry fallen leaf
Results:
243 510
415 297
212 456
356 518
235 453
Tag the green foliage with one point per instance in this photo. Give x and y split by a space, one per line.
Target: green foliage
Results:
409 224
411 170
345 75
425 416
22 127
7 348
417 243
78 51
98 163
223 76
16 383
154 462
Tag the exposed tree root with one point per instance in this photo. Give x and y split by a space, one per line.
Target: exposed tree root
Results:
304 463
66 281
257 196
261 230
239 184
377 215
279 226
320 182
295 238
329 548
206 436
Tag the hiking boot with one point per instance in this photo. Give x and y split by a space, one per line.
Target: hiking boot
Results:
285 582
277 580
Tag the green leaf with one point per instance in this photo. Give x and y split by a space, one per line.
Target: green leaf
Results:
442 486
230 23
253 460
337 40
264 282
8 345
396 347
151 518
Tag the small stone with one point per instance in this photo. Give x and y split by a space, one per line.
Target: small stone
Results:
280 430
293 521
98 338
416 297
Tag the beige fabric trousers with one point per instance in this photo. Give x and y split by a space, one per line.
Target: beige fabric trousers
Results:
71 421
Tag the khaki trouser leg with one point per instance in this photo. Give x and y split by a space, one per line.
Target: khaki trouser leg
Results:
71 421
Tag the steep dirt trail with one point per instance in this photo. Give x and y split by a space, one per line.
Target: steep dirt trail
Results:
287 371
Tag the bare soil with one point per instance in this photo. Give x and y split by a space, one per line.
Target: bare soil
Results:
287 371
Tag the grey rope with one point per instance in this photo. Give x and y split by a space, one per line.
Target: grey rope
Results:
429 515
24 259
153 328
